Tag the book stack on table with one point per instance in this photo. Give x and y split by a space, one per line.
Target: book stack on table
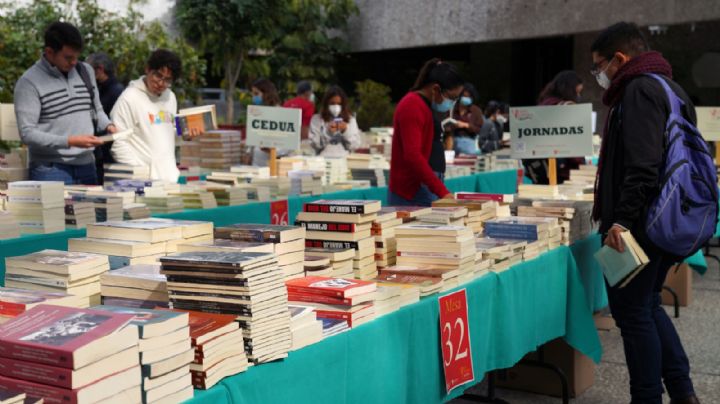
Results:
134 211
220 149
248 286
74 273
64 354
305 327
305 182
165 353
117 171
15 301
279 187
135 286
163 203
288 243
37 206
425 285
341 259
537 191
343 224
78 214
530 229
445 215
9 227
383 230
196 198
501 253
391 296
107 208
336 170
226 195
481 207
316 265
574 217
350 300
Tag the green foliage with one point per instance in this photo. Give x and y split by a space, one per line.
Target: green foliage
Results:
375 107
127 39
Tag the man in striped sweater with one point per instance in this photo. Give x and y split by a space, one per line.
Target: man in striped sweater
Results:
56 114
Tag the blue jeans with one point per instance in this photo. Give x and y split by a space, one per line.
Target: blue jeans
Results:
85 174
423 196
653 350
465 145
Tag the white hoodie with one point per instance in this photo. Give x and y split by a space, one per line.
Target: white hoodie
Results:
152 118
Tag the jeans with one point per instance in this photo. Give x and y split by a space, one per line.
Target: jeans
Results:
653 350
85 174
465 145
423 196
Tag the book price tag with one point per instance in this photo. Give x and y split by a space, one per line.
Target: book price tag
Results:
455 340
279 212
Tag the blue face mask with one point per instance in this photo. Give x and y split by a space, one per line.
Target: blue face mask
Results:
444 106
257 100
466 101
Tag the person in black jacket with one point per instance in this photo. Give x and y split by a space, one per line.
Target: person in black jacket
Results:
631 157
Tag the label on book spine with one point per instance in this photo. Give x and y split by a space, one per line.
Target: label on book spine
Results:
321 226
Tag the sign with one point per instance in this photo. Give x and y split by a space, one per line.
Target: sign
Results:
455 340
273 127
551 131
8 124
279 212
708 122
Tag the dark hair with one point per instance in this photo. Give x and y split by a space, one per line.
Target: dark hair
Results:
468 87
331 92
624 37
562 86
59 34
269 91
492 107
102 59
164 58
303 87
435 71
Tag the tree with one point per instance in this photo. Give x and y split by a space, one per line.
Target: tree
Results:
229 31
375 107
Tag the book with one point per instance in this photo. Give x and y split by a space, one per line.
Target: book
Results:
14 302
339 301
342 206
260 232
334 227
202 119
56 261
621 268
333 287
479 196
150 231
150 323
119 135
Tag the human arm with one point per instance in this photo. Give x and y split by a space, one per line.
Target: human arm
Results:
352 135
122 151
318 139
476 119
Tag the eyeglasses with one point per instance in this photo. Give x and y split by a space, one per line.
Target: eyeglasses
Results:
596 68
158 77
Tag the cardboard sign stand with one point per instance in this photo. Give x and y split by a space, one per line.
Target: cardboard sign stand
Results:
717 153
272 161
552 171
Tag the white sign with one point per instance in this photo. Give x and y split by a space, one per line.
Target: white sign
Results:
551 131
708 122
273 127
8 124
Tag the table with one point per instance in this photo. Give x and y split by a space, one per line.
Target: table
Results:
397 359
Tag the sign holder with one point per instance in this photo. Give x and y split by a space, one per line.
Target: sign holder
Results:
272 162
552 171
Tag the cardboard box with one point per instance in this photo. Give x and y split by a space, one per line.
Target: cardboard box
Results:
578 368
679 279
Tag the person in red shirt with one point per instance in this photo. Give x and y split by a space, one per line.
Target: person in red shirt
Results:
417 167
304 100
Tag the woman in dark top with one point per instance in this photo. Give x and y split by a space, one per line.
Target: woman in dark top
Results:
469 119
490 136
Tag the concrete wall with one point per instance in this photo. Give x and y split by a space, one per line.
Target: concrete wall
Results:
394 24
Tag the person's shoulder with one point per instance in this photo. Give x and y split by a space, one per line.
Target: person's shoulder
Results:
645 84
316 118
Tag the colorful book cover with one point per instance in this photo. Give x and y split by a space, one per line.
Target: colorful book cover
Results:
143 318
14 301
479 196
267 233
336 245
328 226
342 206
221 258
335 287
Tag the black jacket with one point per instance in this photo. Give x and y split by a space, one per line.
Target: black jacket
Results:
634 154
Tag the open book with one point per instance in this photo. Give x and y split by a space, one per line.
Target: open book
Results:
621 268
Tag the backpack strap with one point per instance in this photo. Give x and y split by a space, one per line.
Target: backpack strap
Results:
85 77
676 103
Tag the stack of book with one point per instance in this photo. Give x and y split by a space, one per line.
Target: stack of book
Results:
502 253
305 327
217 342
196 199
189 153
220 245
543 229
315 265
11 174
14 301
376 176
134 211
448 248
190 231
256 193
163 203
287 164
106 208
335 298
117 171
575 217
343 224
279 187
73 273
135 286
78 214
126 194
341 259
228 195
247 285
408 213
358 160
333 326
583 175
305 182
17 397
71 355
383 230
288 242
481 207
165 353
220 149
336 170
455 170
200 119
426 285
390 297
9 227
536 191
37 206
448 215
251 171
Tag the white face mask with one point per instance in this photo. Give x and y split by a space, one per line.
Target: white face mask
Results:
312 97
500 119
602 79
335 109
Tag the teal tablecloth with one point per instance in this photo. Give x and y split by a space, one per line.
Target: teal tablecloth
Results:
397 358
183 179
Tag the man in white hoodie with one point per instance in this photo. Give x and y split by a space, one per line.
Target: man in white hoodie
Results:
148 106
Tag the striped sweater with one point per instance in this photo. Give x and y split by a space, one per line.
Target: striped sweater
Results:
51 106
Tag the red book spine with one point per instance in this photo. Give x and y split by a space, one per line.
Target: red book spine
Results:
11 309
333 227
315 291
335 315
50 394
330 208
33 372
315 298
45 355
480 197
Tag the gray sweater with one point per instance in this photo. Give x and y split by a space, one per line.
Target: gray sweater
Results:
50 106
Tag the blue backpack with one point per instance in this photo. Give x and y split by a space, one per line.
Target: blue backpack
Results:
684 215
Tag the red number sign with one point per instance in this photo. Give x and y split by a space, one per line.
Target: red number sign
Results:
279 212
455 340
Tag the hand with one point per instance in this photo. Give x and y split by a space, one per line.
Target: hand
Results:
449 195
333 127
613 239
194 132
111 128
462 125
342 126
84 141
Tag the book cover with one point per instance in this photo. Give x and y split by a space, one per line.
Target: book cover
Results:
479 196
344 206
139 271
54 260
334 287
267 233
15 301
335 245
202 324
51 334
221 258
328 226
621 268
144 319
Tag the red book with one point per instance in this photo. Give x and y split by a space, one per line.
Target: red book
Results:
343 206
66 337
328 226
478 196
206 326
347 315
333 287
16 301
316 298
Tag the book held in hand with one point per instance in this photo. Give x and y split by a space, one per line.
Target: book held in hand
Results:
620 268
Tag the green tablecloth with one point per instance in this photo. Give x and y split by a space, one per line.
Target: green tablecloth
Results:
397 358
183 179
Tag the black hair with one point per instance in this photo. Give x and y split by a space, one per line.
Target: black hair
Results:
102 59
269 91
435 71
331 92
473 92
562 86
492 107
623 37
60 34
164 58
303 87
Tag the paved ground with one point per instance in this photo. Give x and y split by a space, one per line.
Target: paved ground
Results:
699 328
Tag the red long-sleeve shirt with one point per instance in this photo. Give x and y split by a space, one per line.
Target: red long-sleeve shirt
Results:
412 142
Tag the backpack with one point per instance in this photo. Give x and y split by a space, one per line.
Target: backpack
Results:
683 216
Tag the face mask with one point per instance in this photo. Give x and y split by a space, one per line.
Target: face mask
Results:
500 119
312 98
335 109
445 106
466 101
602 79
257 100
